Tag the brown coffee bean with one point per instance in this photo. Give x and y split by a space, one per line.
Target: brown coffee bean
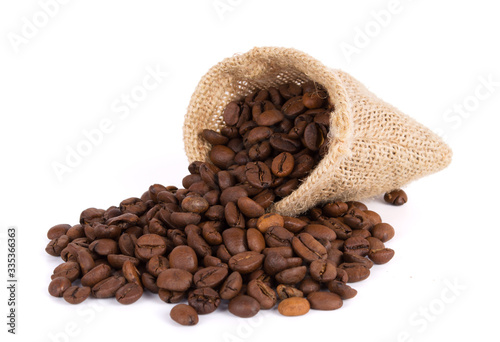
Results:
126 243
58 285
107 288
231 113
204 300
182 219
269 117
283 164
258 175
57 231
69 269
335 209
211 276
255 240
195 204
349 257
342 289
231 286
184 314
250 208
285 291
232 194
175 279
324 301
269 220
131 273
149 282
381 256
85 261
308 248
396 197
171 297
308 285
213 137
292 275
383 231
95 275
293 107
244 306
56 246
76 294
129 293
235 240
355 272
313 136
222 156
104 247
75 232
263 293
117 260
246 262
92 215
357 245
319 231
183 257
322 271
314 99
294 306
375 243
149 245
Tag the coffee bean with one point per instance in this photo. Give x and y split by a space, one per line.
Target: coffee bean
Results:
149 245
263 293
375 243
175 279
149 282
355 272
104 247
235 240
95 275
184 314
383 231
211 276
108 287
292 275
244 306
246 262
293 107
349 257
294 306
131 273
396 197
204 300
308 248
258 175
232 194
255 240
283 164
324 301
213 137
58 285
249 207
342 289
70 270
231 113
381 256
195 204
58 231
129 293
183 257
285 291
269 220
231 286
56 245
314 99
357 245
222 156
322 271
308 285
76 294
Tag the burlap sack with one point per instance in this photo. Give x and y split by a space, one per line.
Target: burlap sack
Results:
374 147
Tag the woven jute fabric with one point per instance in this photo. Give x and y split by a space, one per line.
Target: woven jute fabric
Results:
374 148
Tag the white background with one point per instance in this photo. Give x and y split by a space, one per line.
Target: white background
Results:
62 73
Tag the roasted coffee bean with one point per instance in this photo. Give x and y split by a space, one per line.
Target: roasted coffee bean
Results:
355 272
277 236
75 232
211 276
197 243
319 231
342 289
283 164
263 293
375 243
85 261
250 208
183 257
381 256
129 293
357 245
244 306
342 230
383 231
294 306
211 234
104 247
58 231
285 291
231 113
258 175
149 282
308 285
56 246
102 231
124 221
149 245
322 271
231 286
308 248
396 197
246 262
314 99
235 240
232 194
92 215
134 206
293 107
58 286
255 240
95 275
292 275
184 314
313 136
175 279
131 273
269 220
70 270
222 156
195 204
213 137
171 297
286 188
117 260
204 300
349 257
107 288
182 219
126 243
324 301
76 294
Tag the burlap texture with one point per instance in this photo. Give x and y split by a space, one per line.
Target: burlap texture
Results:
374 148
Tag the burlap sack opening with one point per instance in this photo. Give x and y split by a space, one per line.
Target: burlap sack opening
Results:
374 148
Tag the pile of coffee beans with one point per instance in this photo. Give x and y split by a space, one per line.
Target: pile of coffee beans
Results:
213 240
